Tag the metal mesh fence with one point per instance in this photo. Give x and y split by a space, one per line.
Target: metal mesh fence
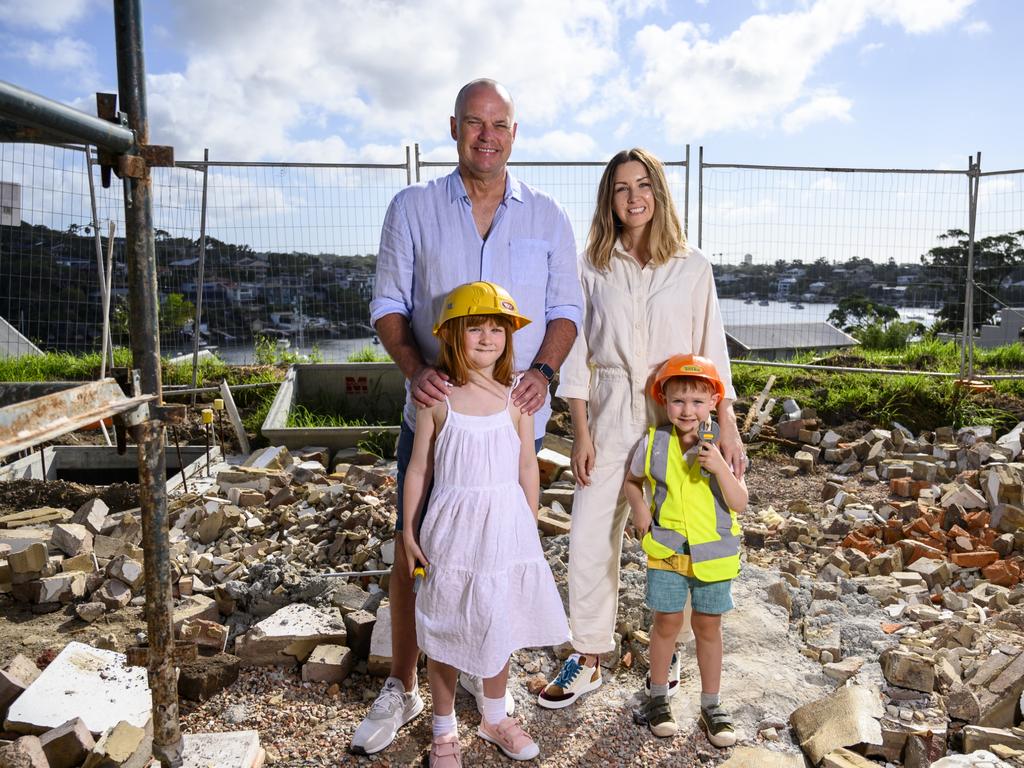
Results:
790 244
290 249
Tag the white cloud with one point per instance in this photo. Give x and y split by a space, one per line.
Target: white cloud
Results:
978 28
869 48
253 81
558 144
634 9
48 15
761 70
821 107
60 54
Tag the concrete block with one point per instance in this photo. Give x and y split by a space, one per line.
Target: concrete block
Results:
934 572
122 746
206 634
26 752
328 663
379 660
86 682
760 757
844 718
113 594
109 547
90 612
207 675
552 522
67 745
81 563
563 496
32 559
10 689
907 669
979 737
238 749
844 758
552 464
24 669
71 539
92 515
127 570
359 628
195 607
289 634
61 588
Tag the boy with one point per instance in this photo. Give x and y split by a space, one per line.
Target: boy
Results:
690 535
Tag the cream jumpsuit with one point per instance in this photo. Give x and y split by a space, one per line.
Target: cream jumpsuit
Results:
634 319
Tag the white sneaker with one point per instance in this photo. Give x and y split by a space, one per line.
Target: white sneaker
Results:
392 709
673 677
574 679
475 686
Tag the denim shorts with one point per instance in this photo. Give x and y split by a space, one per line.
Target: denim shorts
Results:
403 453
667 592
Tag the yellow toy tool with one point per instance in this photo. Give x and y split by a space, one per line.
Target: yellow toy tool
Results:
419 573
708 433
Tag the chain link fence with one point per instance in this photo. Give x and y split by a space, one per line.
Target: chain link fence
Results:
280 257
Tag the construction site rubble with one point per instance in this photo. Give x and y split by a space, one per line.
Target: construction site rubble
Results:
901 581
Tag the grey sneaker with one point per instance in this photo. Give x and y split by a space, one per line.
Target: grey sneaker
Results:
392 709
717 723
475 686
660 719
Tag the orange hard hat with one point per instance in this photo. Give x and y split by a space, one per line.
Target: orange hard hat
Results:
693 366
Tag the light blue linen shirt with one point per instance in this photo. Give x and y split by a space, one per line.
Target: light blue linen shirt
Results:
429 245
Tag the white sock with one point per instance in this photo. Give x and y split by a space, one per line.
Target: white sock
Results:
445 724
494 710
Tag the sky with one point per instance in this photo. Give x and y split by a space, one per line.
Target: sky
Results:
864 83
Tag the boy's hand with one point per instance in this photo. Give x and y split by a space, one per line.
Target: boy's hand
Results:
641 522
413 554
711 459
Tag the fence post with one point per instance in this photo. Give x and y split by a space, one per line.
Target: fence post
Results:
700 195
417 158
198 319
408 165
686 197
967 347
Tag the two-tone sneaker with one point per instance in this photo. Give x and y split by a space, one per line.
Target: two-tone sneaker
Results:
392 709
674 676
717 723
445 752
574 679
658 714
475 686
510 738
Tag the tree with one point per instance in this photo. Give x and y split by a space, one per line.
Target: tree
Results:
995 257
857 311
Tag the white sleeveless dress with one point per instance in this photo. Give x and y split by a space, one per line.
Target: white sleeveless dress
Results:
489 590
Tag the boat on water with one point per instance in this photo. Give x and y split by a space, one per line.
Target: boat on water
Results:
749 301
798 305
763 303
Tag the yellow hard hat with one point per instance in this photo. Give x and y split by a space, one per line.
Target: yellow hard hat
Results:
480 298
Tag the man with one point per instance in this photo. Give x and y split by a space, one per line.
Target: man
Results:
477 223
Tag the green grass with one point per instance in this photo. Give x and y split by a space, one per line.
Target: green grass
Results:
369 355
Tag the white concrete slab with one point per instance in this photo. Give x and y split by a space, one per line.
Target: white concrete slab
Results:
85 682
238 749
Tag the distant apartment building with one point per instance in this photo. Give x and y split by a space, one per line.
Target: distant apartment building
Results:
10 204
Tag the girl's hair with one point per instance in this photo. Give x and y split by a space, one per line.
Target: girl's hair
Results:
452 358
666 235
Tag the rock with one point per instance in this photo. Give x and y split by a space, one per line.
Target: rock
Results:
67 745
841 671
328 664
92 515
359 628
200 679
552 522
778 594
125 745
11 687
844 758
71 539
978 737
23 668
907 669
205 634
563 496
194 607
26 752
61 588
113 594
289 634
846 717
32 559
379 660
127 570
759 757
90 612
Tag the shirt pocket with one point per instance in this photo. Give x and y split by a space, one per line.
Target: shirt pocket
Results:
529 261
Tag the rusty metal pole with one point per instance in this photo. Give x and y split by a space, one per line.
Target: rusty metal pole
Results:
145 341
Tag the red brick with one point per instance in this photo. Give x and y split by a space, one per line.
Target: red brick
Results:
1005 573
978 559
977 520
900 486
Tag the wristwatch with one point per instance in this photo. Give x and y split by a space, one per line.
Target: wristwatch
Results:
545 370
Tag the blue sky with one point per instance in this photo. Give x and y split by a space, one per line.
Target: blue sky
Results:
869 83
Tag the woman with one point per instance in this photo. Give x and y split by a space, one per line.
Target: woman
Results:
648 295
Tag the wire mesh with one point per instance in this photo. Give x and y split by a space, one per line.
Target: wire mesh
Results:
791 246
999 260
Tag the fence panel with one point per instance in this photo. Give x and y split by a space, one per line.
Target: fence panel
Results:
999 259
789 244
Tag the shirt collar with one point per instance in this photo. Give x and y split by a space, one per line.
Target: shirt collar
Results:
457 189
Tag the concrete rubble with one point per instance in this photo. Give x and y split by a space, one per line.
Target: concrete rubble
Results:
913 606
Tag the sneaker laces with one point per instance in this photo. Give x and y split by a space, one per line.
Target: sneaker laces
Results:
568 673
387 701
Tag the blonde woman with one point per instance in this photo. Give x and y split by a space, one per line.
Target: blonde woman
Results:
648 295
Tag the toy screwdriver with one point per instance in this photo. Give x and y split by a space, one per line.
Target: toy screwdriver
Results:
708 433
419 573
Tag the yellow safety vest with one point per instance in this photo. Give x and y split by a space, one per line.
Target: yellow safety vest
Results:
688 509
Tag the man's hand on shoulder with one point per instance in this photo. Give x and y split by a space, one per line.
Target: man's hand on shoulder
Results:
532 390
428 386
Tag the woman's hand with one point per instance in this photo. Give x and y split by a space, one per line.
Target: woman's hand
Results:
712 460
583 457
413 554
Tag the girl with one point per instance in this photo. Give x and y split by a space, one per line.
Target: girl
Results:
488 590
648 294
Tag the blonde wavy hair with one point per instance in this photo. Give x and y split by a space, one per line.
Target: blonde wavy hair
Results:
666 235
